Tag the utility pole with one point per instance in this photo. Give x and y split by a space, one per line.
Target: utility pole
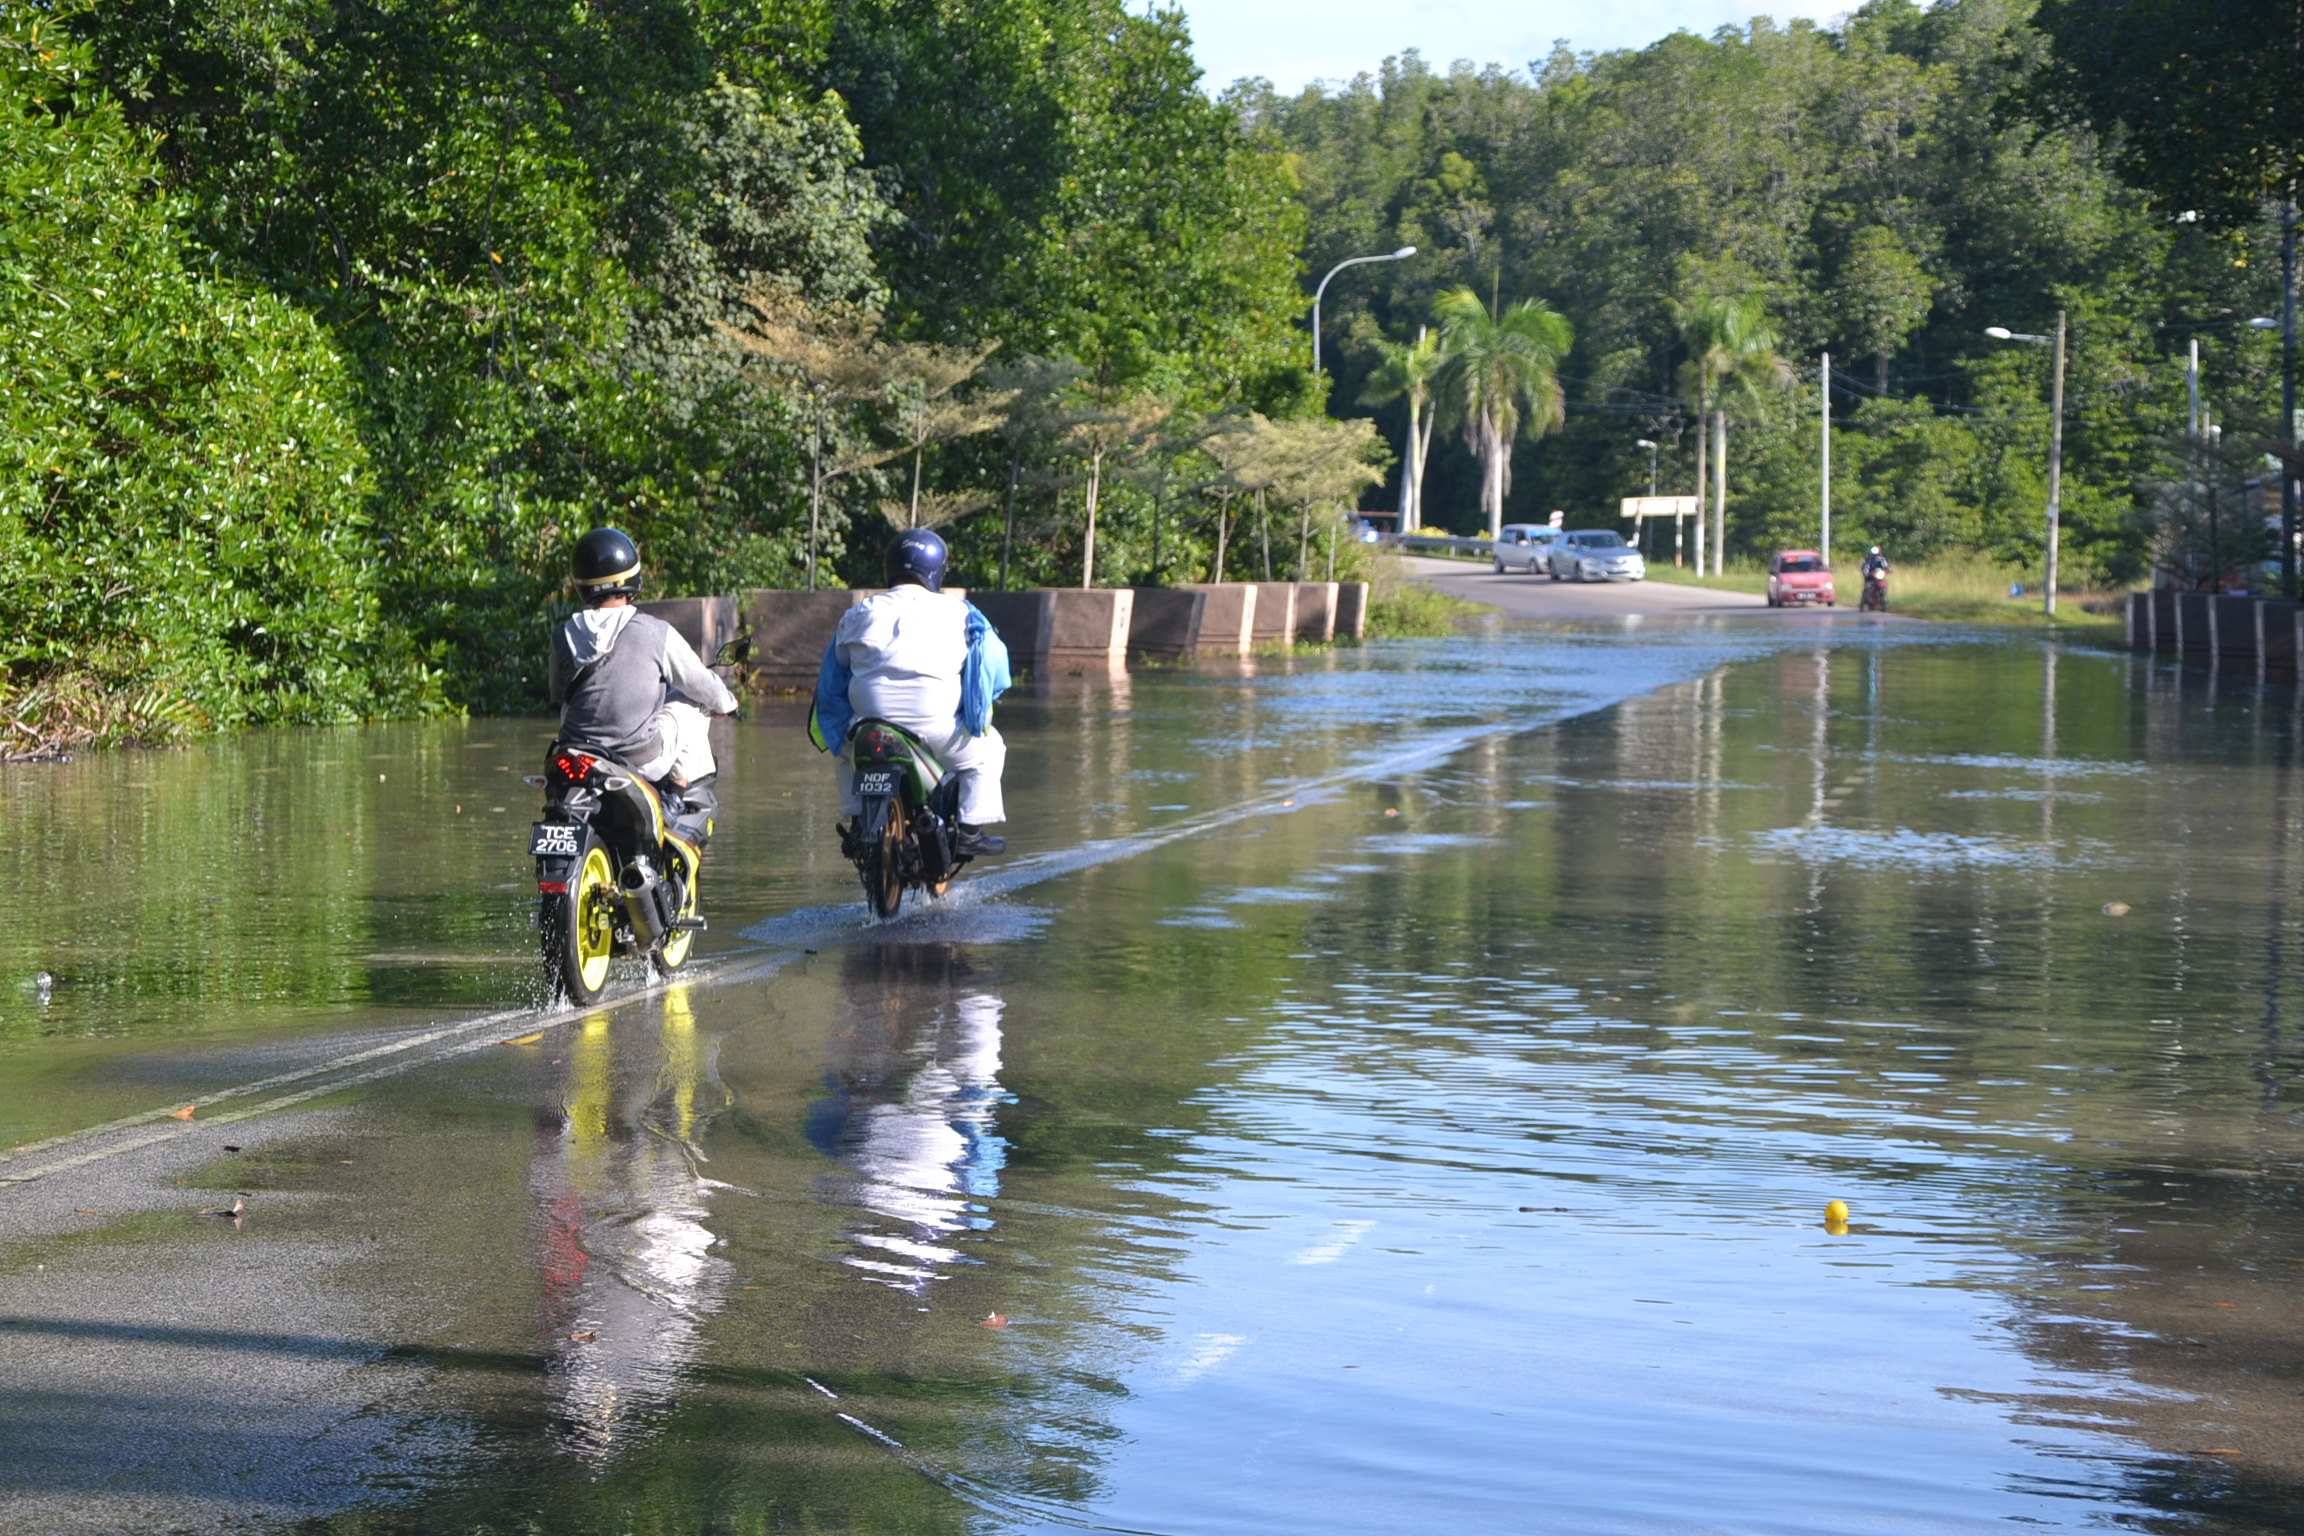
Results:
2055 466
1825 542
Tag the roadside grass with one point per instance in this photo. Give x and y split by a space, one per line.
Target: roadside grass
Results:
1402 608
1952 590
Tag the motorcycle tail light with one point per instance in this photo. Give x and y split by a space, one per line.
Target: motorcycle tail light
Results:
875 744
573 767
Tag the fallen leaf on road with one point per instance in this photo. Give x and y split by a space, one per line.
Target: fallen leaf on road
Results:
994 1320
82 1211
524 1039
582 1338
235 1208
182 1114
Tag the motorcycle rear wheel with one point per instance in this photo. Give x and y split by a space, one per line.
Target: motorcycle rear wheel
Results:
580 928
883 864
673 952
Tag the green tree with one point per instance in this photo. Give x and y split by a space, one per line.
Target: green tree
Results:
2209 99
1409 372
1731 355
181 487
1501 377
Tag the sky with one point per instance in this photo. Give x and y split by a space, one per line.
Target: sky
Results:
1294 42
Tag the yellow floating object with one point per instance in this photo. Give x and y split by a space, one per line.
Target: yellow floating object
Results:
2115 909
1836 1210
523 1039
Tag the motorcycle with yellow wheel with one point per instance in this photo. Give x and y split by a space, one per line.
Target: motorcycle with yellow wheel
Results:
617 861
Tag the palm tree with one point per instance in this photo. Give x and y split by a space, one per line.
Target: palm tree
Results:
1502 373
1731 353
1409 371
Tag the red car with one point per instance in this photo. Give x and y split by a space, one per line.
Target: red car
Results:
1799 576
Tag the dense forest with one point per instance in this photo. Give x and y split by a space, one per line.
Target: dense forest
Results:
324 328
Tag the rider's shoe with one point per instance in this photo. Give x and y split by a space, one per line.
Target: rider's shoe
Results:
847 831
975 843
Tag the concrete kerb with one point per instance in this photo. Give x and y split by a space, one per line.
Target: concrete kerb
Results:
1275 620
1228 620
706 623
1043 627
2276 636
1164 622
2232 628
1316 611
790 629
2194 637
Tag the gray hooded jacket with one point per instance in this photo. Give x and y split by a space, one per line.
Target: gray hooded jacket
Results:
613 671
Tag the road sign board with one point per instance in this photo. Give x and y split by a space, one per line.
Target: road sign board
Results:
1659 506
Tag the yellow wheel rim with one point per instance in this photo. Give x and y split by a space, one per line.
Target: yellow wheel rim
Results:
676 944
594 897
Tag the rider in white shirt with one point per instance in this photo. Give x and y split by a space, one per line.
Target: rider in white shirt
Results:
928 661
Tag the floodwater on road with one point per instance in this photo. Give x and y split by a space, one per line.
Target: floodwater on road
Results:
1392 1087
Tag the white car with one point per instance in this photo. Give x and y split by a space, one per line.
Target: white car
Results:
1595 554
1522 546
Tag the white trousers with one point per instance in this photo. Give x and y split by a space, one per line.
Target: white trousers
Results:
974 761
687 753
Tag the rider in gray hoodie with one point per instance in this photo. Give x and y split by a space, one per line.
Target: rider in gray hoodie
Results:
627 684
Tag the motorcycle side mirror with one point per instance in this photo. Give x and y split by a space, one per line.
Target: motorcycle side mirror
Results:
735 653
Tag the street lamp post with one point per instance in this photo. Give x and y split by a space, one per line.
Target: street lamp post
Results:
2055 445
1401 254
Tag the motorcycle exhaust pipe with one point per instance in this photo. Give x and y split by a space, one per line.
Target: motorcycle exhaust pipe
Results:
642 905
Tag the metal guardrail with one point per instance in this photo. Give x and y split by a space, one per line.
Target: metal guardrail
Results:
1479 546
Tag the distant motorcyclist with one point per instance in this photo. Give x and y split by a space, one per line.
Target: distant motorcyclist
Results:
1876 581
626 682
922 659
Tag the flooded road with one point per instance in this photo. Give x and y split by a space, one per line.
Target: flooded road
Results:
1401 1086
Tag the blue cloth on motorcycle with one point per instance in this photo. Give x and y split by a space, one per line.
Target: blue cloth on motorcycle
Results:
984 676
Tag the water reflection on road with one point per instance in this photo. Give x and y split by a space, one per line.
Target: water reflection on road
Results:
1390 1087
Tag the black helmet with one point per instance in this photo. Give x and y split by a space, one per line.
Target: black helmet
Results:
607 564
918 555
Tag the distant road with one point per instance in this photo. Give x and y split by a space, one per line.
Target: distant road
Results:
1540 597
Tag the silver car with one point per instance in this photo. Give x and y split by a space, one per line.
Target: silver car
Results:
1595 554
1521 546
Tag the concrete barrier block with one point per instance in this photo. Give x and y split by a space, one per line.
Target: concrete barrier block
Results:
1352 610
1022 620
706 623
790 629
2232 628
1090 624
2194 637
1228 622
1275 612
2276 635
1316 611
2136 620
1165 622
2164 621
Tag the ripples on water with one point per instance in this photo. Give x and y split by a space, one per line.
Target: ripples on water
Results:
1395 1092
